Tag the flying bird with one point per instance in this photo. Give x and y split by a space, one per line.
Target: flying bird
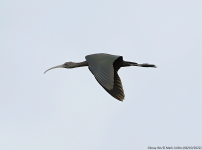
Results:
104 67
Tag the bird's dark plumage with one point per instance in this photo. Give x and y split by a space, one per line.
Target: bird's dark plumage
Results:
105 68
117 90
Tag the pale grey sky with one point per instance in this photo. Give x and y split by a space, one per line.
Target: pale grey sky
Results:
67 108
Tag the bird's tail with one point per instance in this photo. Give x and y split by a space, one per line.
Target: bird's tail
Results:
144 65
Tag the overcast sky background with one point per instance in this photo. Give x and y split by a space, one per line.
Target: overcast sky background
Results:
67 108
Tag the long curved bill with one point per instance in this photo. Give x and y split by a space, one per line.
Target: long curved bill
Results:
60 66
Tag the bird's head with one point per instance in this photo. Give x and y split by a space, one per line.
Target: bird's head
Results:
65 65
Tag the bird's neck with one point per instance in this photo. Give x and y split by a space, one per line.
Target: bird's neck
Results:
80 64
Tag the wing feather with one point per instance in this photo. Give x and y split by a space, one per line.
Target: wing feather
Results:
101 66
117 91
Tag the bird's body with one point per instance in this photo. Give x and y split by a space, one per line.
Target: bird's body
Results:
104 67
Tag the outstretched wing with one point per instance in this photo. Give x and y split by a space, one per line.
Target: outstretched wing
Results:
106 72
117 91
101 66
